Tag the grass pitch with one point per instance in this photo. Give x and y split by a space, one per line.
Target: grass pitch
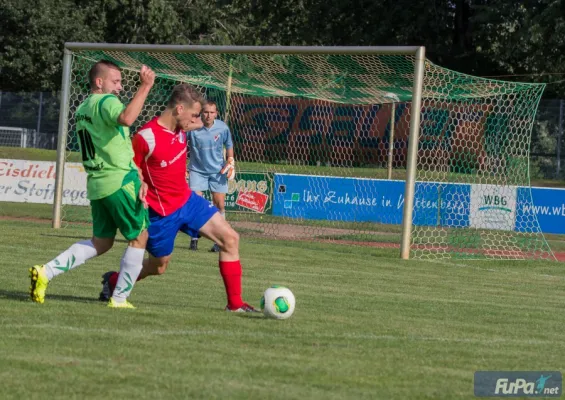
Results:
367 325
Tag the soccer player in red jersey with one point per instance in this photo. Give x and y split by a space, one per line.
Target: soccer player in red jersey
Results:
160 152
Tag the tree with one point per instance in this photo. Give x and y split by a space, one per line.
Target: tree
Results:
479 37
32 39
527 40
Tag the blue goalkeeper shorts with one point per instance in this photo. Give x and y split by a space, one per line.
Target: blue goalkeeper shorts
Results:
190 218
215 182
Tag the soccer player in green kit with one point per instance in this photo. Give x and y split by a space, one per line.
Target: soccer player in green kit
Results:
114 185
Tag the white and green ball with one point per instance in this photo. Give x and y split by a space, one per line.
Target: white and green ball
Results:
278 302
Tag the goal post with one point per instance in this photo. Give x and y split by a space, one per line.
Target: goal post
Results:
320 131
62 139
407 212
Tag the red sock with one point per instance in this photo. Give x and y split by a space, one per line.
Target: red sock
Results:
231 274
113 281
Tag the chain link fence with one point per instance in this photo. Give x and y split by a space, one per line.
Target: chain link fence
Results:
29 119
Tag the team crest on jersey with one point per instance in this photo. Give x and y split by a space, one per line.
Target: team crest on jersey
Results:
216 138
163 164
181 137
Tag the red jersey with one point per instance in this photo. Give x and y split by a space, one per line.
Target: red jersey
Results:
161 156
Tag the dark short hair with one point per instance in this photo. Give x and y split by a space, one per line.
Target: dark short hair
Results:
97 69
184 93
210 103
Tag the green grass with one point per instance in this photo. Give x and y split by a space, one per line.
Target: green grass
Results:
367 325
20 153
364 237
72 214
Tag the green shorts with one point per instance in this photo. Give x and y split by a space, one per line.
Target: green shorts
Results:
121 210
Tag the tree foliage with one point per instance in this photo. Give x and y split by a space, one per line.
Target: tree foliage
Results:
479 37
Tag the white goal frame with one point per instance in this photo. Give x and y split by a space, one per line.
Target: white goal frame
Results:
418 52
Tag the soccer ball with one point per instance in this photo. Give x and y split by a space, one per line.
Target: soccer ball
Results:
278 302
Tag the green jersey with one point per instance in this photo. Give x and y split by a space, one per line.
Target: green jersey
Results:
107 154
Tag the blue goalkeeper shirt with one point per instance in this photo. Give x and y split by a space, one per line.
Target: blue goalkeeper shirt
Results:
207 147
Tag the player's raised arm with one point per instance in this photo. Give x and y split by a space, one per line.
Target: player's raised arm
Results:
133 109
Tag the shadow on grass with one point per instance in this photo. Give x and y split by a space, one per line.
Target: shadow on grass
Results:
117 240
24 296
250 315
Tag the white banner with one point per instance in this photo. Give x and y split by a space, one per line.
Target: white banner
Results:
34 182
493 207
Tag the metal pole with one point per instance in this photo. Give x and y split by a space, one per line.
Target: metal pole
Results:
38 118
391 139
559 136
62 138
408 50
228 93
412 153
228 100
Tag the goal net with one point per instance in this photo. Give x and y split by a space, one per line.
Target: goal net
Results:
321 145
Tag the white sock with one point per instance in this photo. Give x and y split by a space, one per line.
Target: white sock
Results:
130 268
71 258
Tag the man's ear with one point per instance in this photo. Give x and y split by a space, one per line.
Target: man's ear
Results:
98 83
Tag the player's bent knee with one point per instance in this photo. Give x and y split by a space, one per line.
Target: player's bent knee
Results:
140 242
102 245
231 240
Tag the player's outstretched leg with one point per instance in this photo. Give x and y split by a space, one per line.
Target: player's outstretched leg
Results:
151 266
160 241
76 255
218 230
130 267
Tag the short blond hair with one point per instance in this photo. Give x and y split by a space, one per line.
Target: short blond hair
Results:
184 94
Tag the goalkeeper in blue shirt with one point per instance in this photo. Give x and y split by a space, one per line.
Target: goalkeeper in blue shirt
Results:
207 168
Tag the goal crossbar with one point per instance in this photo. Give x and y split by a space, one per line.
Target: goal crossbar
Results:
171 48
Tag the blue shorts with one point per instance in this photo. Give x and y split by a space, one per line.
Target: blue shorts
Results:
215 182
190 218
